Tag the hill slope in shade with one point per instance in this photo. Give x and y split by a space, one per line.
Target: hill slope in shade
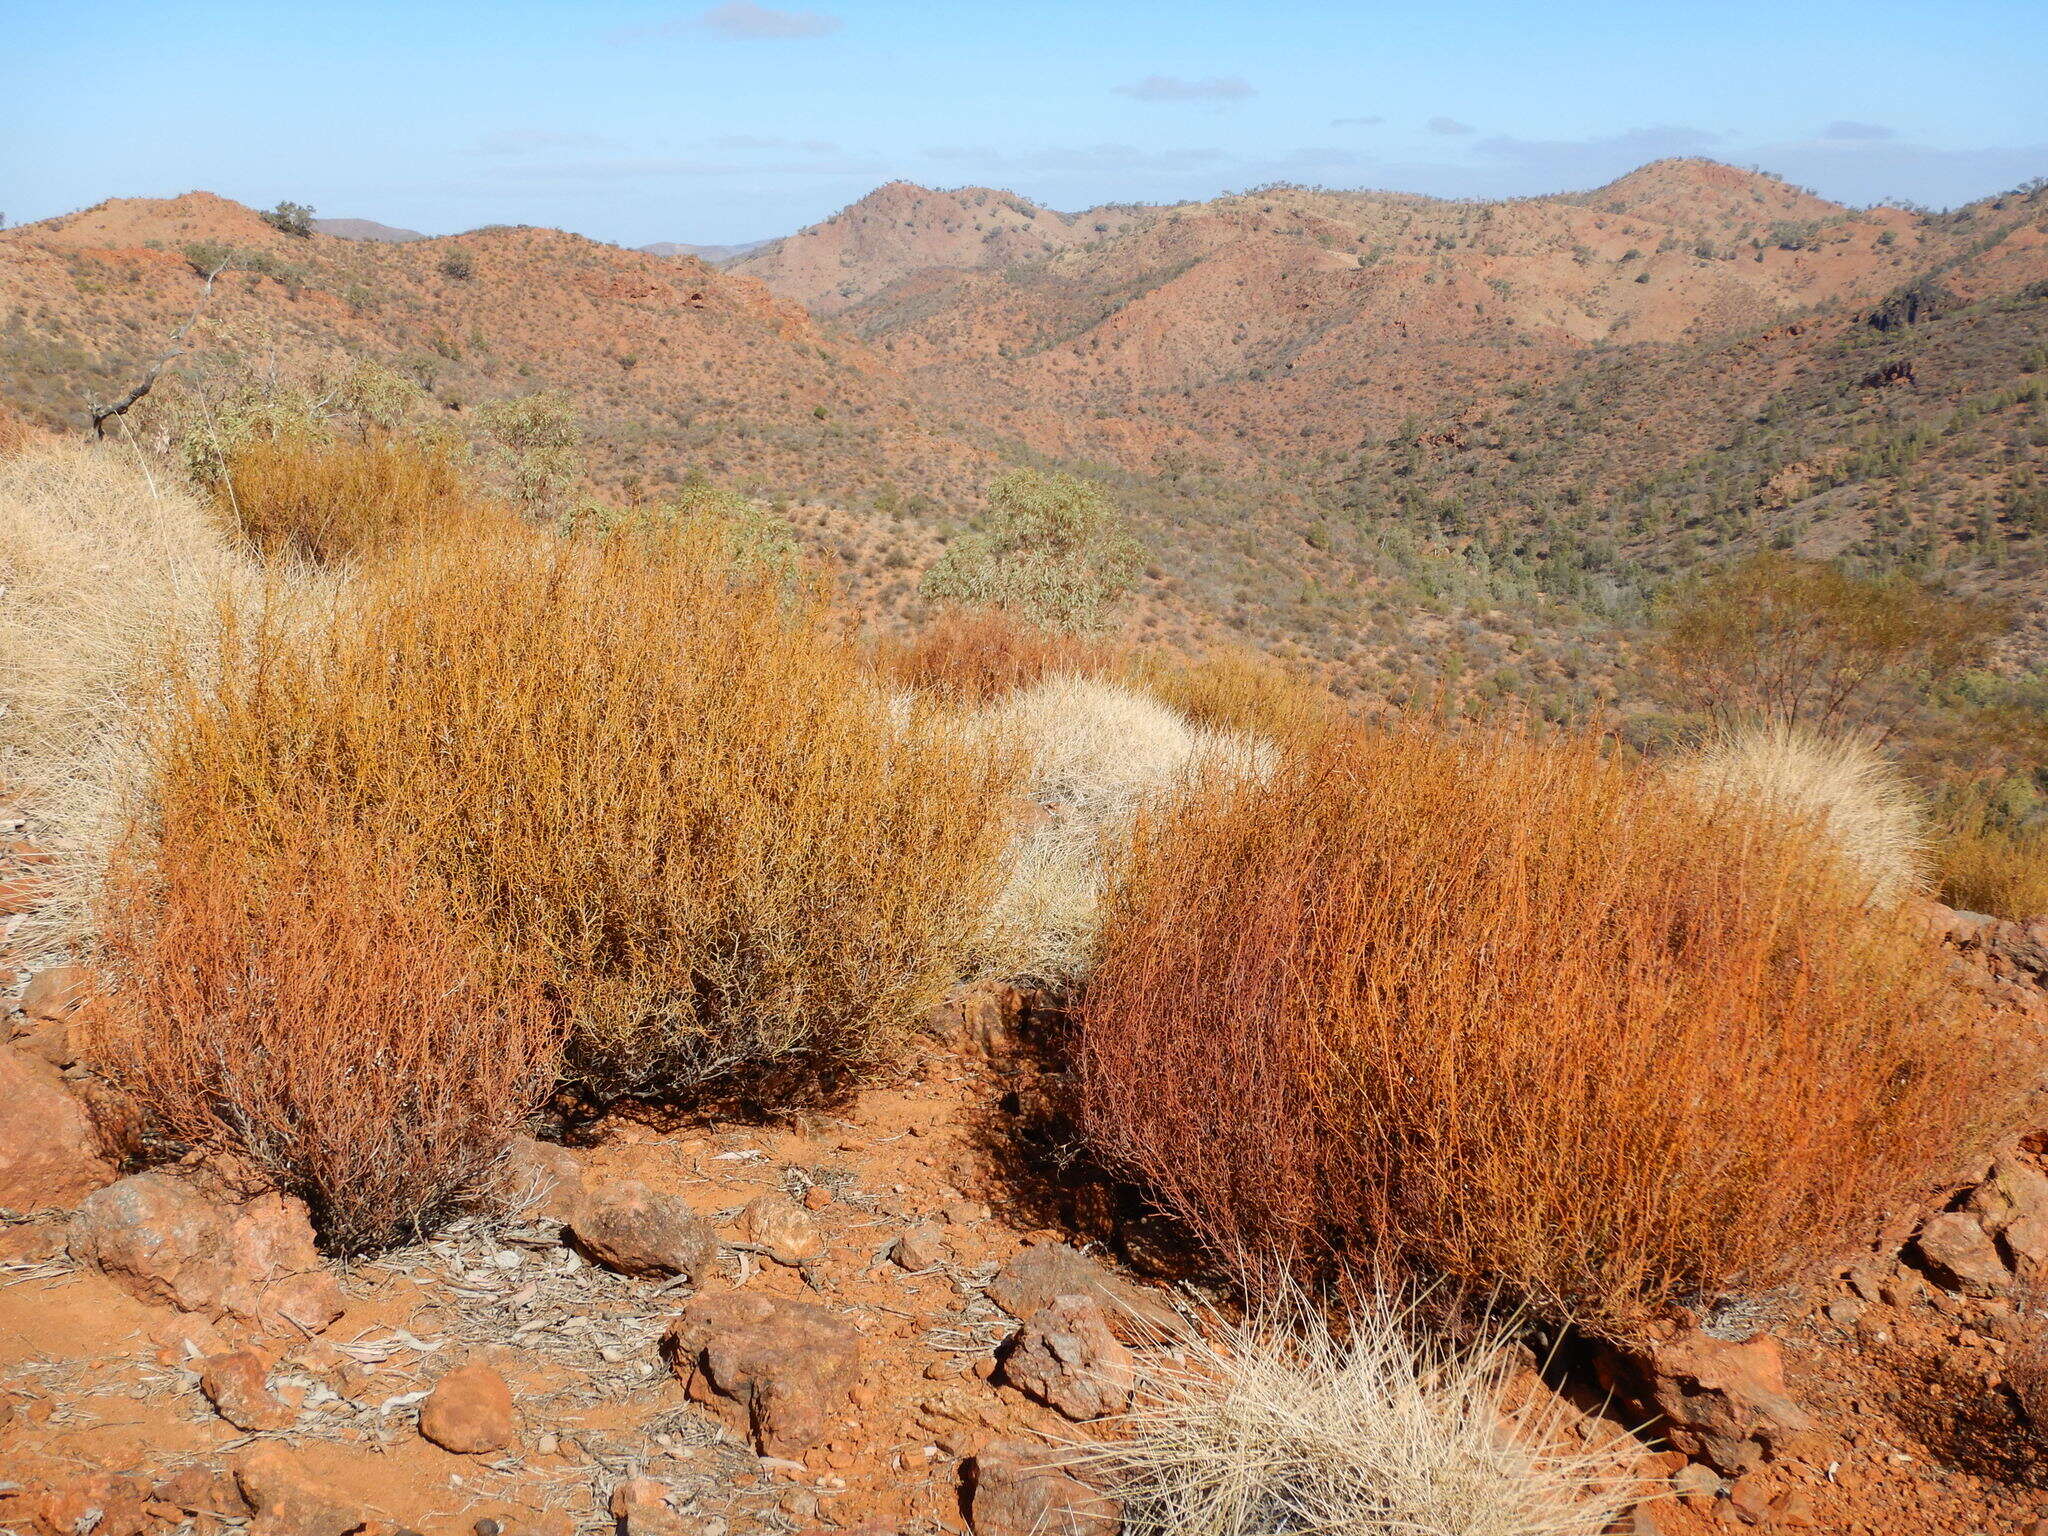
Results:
366 229
717 255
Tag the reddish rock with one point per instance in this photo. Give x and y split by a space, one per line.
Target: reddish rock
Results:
203 1490
1068 1357
628 1227
783 1230
541 1181
469 1411
2013 1206
1020 1488
55 994
921 1247
287 1500
50 1155
1038 1277
1961 1255
792 1366
1720 1401
167 1240
97 1505
238 1385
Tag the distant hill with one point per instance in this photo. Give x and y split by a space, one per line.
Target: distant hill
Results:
717 255
1321 407
902 228
366 229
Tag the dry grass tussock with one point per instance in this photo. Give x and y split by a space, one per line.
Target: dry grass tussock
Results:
105 561
1282 1424
1098 753
1843 790
318 1005
667 796
1517 1013
331 501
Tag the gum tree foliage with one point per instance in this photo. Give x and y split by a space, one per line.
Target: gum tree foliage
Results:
540 442
1051 548
1804 641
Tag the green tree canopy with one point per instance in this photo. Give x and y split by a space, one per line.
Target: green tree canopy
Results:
1051 548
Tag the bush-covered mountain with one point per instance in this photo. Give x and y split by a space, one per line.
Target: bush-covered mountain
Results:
1415 440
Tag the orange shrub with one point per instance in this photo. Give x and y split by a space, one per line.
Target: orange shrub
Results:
315 1003
1236 690
1985 863
971 656
342 500
1515 1014
673 801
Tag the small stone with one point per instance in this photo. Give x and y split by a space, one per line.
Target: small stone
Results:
920 1247
237 1384
57 993
1961 1254
817 1197
628 1227
783 1230
1019 1488
287 1500
642 1508
1068 1358
1793 1510
469 1411
790 1365
487 1527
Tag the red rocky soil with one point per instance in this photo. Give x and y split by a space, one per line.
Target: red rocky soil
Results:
862 1320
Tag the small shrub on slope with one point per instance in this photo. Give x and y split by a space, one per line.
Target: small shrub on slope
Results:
1843 791
675 803
1236 690
317 1003
1517 1014
1281 1424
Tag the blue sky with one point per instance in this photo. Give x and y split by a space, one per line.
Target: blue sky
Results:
635 121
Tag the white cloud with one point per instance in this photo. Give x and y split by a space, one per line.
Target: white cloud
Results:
1356 122
1173 88
1448 125
744 19
533 141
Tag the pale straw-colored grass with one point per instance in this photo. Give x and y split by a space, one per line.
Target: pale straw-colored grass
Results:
1284 1423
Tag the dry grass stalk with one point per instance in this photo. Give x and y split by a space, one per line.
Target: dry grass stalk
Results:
1282 1424
1098 753
1515 1013
104 564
